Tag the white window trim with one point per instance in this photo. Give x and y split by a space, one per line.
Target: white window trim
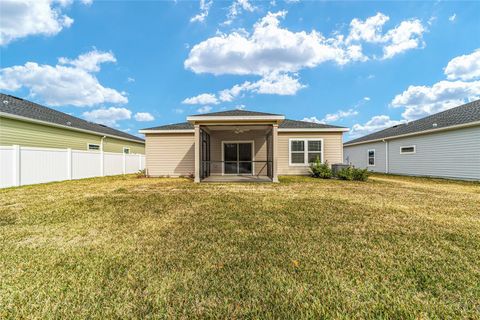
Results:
412 146
253 158
305 159
126 148
94 144
374 158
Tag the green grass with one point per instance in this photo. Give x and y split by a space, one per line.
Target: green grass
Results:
122 247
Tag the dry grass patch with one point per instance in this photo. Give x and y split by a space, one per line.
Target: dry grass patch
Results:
392 247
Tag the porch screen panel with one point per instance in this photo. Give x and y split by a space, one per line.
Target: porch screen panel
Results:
230 151
205 154
245 158
269 155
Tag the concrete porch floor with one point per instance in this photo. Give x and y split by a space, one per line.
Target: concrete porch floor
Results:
235 178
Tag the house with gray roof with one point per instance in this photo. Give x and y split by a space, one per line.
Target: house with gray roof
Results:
445 144
29 124
240 145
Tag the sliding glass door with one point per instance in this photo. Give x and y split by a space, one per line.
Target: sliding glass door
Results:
237 158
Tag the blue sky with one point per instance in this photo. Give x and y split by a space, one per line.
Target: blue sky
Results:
137 64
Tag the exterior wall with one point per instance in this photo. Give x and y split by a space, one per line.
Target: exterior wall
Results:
358 156
16 132
260 148
171 154
332 150
450 154
447 154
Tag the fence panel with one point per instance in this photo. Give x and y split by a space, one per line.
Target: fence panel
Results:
42 165
86 164
113 163
6 167
27 165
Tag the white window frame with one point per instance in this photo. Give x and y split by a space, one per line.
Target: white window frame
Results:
126 148
94 144
412 146
374 158
305 151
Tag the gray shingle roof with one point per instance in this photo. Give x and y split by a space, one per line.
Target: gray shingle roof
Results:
286 124
24 108
463 114
235 113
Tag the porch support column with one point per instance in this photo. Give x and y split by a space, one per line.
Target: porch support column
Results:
197 153
275 152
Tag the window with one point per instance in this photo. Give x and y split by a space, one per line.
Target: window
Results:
126 150
407 149
93 146
305 151
371 157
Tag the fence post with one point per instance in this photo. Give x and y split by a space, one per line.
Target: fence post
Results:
69 164
102 170
139 162
16 166
124 169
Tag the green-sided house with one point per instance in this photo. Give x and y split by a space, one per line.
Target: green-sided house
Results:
29 124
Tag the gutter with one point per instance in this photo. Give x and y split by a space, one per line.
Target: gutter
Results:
279 130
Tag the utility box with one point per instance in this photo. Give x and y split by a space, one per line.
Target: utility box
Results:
339 166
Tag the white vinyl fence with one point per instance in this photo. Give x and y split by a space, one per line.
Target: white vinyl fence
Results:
25 165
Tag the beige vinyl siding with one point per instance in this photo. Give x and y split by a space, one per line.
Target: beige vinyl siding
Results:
17 132
332 150
170 154
260 148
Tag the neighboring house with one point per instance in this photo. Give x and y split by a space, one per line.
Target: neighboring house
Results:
446 144
239 144
29 124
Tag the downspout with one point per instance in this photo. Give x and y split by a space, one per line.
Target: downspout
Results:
386 155
101 142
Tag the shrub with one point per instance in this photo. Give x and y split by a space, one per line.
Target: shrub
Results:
320 170
352 173
345 174
360 174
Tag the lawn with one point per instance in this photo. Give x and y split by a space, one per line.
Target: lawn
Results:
123 247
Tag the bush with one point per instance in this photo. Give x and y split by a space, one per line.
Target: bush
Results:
320 170
360 174
345 174
352 173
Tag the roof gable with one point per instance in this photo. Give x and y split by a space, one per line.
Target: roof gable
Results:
464 114
27 109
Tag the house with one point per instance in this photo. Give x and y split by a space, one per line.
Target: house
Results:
446 144
28 124
240 145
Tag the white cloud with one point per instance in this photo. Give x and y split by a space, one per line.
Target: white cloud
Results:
236 8
89 61
144 117
332 117
376 123
130 79
204 98
108 116
420 101
465 67
240 107
22 18
204 109
204 10
268 49
70 83
453 17
407 35
178 110
276 83
369 30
